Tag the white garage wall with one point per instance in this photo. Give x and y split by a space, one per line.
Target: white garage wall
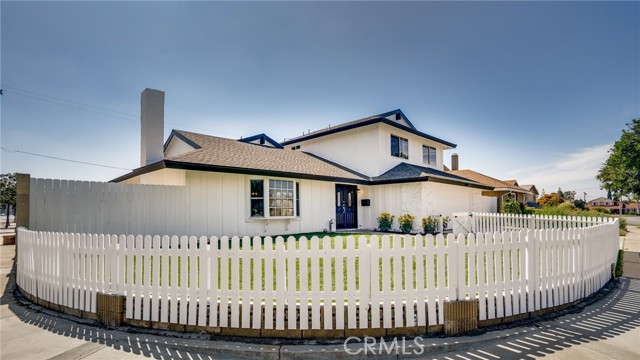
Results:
422 199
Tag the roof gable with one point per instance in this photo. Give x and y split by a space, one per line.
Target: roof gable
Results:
262 140
395 118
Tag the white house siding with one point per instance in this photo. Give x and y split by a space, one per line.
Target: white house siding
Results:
175 177
368 149
422 199
177 147
357 149
218 204
386 161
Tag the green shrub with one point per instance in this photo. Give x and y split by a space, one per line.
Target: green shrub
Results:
385 221
580 204
406 223
619 264
511 206
568 206
430 225
601 210
622 224
529 211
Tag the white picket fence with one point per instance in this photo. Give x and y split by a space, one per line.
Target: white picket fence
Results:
386 281
464 222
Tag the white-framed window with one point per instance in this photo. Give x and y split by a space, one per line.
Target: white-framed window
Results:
429 155
399 147
273 198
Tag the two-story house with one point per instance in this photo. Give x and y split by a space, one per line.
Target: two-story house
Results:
614 206
341 177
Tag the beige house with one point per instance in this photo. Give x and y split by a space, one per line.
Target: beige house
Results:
500 189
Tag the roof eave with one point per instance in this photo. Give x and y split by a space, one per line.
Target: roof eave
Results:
141 171
384 120
172 164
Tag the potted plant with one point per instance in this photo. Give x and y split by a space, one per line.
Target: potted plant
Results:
430 225
385 221
406 223
445 222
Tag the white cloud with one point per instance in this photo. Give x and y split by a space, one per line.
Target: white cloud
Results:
573 171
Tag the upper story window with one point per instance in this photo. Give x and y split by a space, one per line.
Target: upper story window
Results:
399 147
429 156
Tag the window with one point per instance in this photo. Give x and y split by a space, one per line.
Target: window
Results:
429 155
399 147
281 198
297 199
257 197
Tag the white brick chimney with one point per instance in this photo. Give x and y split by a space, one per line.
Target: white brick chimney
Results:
152 126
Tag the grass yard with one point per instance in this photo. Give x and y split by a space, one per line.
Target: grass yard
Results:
430 279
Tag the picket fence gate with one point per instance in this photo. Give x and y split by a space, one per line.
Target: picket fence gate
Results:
318 283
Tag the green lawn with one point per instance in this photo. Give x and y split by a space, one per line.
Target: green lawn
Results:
430 278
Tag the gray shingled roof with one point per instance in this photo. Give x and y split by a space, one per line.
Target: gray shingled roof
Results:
406 171
223 152
380 118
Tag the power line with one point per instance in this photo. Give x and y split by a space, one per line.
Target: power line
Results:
86 107
62 159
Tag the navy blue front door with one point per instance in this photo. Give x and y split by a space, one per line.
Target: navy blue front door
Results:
346 207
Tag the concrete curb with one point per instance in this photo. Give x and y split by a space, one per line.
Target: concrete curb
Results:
261 348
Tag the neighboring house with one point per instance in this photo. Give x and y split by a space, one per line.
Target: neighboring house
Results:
631 208
500 189
340 177
533 193
614 206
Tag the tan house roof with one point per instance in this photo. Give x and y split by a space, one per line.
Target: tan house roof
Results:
531 188
498 185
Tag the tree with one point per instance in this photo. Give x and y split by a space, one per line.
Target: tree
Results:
560 193
609 196
8 192
549 200
621 172
580 204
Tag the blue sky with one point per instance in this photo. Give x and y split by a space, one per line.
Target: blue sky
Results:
533 91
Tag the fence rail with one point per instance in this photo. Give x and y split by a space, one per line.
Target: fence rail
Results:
464 223
318 283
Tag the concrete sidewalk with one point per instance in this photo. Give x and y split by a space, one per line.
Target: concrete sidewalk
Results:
631 249
608 328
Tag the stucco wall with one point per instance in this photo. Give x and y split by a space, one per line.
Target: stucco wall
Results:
422 199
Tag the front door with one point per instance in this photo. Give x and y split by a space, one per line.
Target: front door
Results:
346 207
